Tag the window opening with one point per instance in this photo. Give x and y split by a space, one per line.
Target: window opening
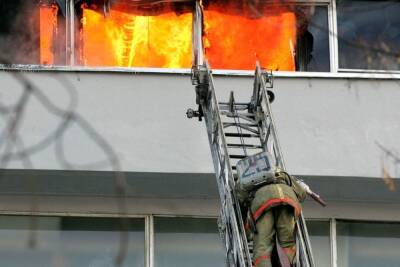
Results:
48 31
159 34
369 34
368 244
32 32
69 241
312 47
320 241
250 31
282 36
194 240
135 34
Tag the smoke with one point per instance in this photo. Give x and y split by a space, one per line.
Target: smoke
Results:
144 7
20 33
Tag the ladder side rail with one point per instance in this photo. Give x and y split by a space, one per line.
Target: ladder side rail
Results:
225 177
271 145
301 223
220 171
227 205
305 245
197 37
303 259
200 79
232 202
268 120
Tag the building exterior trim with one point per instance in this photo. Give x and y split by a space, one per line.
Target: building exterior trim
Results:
343 74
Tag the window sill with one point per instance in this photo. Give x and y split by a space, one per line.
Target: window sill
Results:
343 74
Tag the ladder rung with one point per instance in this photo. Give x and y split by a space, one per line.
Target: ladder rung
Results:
237 106
247 135
235 103
229 124
244 145
243 126
237 156
249 117
236 114
247 128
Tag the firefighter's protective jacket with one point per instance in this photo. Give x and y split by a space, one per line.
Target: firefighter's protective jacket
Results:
286 191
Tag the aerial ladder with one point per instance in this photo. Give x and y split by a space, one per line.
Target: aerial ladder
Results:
237 131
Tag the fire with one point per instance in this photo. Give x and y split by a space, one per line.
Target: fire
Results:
48 27
235 35
126 40
270 38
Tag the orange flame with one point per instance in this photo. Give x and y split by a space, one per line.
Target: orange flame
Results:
126 40
234 36
48 27
234 41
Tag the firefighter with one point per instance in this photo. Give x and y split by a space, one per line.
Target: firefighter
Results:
273 209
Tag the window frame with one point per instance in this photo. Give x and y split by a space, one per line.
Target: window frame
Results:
333 43
152 231
70 49
147 221
334 227
335 34
149 232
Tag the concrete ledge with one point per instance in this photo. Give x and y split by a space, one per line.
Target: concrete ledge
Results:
77 193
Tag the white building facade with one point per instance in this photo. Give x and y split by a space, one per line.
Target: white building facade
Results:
92 144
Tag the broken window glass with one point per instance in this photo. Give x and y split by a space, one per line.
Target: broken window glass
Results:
369 34
32 32
282 36
312 47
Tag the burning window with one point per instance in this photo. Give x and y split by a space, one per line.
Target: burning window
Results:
251 30
274 32
283 35
32 32
235 33
132 34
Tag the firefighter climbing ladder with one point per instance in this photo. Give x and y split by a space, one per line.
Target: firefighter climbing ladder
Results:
247 128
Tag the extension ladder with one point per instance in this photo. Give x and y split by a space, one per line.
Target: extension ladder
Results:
235 131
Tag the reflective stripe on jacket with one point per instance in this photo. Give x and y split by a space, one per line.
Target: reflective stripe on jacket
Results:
268 196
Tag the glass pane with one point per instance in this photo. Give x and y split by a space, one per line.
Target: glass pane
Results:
369 34
124 34
281 36
320 241
362 244
32 32
312 50
73 242
180 241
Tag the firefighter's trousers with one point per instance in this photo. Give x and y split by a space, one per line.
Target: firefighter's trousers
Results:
277 222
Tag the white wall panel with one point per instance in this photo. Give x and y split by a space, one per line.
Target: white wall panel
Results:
327 126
